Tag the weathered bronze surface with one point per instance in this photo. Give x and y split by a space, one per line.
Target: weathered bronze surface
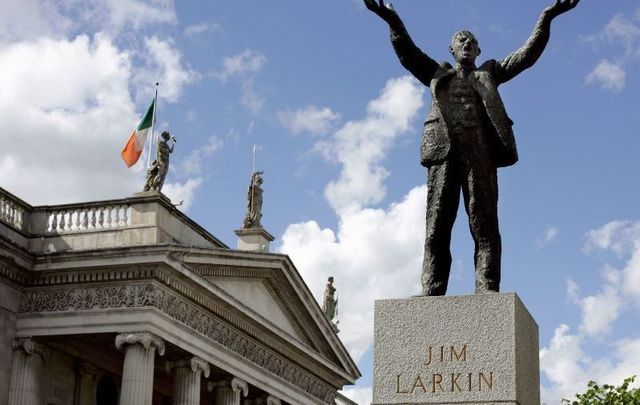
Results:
467 135
160 166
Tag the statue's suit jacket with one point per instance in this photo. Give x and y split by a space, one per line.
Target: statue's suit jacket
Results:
435 146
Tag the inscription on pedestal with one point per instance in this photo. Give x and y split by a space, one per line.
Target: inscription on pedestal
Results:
462 350
438 381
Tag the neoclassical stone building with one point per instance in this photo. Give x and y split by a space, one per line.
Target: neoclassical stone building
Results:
131 302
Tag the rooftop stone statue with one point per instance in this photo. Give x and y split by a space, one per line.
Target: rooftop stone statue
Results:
254 202
467 135
160 166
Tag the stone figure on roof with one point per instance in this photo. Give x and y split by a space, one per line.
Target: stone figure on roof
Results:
160 166
467 136
329 304
254 202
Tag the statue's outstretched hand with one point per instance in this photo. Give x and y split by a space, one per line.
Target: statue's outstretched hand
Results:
384 11
561 7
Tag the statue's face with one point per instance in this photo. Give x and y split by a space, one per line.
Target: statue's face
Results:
464 48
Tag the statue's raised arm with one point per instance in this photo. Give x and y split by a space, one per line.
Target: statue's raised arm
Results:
529 53
411 57
467 136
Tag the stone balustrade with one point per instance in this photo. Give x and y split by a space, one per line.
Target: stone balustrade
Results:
12 210
86 218
145 218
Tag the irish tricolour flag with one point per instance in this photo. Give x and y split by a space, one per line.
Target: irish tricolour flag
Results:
133 149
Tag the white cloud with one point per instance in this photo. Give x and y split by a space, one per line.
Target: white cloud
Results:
32 19
569 368
374 251
599 311
620 287
360 395
248 61
310 119
564 360
561 361
191 168
549 235
250 98
620 30
192 165
360 146
196 29
617 236
165 66
66 143
245 64
132 14
609 75
182 193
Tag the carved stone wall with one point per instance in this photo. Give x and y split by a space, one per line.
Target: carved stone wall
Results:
148 294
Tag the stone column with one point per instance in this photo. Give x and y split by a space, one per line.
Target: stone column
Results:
228 392
26 373
87 383
186 380
137 372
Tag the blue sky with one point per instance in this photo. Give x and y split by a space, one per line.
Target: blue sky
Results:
336 120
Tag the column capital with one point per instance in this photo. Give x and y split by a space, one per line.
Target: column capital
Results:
236 384
30 346
196 364
146 339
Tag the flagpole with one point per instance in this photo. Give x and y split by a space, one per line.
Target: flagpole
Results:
153 126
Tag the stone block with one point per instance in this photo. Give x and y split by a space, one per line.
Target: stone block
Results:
254 239
473 349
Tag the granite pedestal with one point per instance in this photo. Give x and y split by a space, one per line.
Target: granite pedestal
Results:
473 349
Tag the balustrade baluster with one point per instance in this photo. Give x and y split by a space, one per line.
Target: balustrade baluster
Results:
17 221
109 219
54 221
85 219
92 220
125 218
101 217
117 220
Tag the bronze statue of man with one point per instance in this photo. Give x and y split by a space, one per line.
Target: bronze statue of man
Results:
467 135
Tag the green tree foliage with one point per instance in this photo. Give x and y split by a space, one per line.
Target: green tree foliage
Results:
607 395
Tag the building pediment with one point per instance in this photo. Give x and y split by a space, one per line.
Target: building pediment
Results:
139 265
